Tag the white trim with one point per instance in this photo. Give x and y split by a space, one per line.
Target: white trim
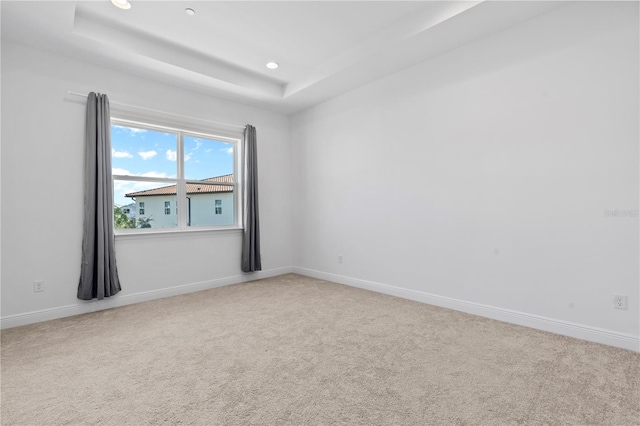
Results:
82 307
155 111
123 234
565 328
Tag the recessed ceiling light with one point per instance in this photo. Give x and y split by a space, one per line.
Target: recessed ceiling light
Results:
272 65
189 11
122 4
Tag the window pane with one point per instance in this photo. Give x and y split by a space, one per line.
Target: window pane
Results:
148 203
142 152
210 205
206 158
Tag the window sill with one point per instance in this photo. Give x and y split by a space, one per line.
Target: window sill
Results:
165 233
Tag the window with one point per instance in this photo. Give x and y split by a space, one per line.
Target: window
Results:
126 211
157 167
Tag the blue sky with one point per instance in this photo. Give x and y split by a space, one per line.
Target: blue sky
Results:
141 152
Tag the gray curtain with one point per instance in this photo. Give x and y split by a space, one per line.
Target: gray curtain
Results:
251 260
98 274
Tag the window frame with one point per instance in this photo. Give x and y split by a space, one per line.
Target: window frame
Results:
180 181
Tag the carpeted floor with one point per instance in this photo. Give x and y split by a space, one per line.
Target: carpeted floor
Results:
296 350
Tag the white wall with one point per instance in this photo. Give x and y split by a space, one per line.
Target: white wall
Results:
478 180
203 208
42 157
154 209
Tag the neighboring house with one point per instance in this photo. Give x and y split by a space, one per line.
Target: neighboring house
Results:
129 210
207 205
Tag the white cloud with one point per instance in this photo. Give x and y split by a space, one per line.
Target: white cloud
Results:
120 154
121 185
132 131
121 188
147 154
117 171
173 155
228 150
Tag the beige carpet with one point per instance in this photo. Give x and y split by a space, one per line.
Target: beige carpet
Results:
295 350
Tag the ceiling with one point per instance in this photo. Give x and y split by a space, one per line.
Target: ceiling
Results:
324 48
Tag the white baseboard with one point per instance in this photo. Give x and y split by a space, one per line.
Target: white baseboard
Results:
592 334
84 307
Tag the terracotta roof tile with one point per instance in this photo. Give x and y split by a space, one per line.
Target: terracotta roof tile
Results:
192 188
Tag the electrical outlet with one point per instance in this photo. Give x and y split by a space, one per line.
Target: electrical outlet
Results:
339 258
619 301
38 286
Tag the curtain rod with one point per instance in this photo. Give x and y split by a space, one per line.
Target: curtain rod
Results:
161 112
